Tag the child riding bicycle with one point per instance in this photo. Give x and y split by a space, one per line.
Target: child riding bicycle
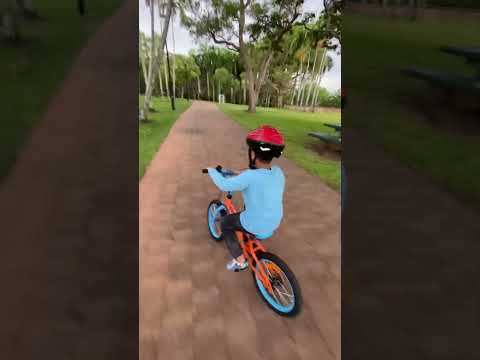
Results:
262 187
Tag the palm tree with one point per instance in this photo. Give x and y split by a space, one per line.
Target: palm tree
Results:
165 71
326 65
155 56
296 93
142 50
313 73
158 68
302 82
173 62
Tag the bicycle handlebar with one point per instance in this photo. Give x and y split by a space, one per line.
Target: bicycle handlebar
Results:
221 170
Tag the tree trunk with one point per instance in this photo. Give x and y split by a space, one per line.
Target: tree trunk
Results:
145 73
160 80
213 91
158 65
315 95
154 59
302 84
172 99
183 90
302 81
143 60
150 79
252 96
309 96
173 62
244 92
174 76
295 91
252 100
263 72
319 76
231 96
208 87
166 78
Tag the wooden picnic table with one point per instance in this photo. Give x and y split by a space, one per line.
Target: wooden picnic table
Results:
334 126
471 54
330 140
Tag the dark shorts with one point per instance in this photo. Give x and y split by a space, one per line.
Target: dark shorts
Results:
230 224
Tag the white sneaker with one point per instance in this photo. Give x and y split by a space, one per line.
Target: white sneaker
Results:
234 265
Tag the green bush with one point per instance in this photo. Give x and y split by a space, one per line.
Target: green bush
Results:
330 100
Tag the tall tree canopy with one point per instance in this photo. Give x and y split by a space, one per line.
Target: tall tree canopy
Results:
237 25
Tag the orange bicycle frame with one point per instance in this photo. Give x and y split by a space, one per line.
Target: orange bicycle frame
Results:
250 248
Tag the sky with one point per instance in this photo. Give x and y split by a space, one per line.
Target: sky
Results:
184 42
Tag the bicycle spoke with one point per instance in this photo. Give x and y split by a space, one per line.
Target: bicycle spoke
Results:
286 292
290 290
281 296
289 295
268 271
276 299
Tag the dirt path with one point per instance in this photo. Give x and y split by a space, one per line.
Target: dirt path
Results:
66 219
190 306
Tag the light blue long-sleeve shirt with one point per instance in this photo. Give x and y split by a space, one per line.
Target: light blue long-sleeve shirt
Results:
262 191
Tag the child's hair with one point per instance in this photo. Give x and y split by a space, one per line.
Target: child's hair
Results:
265 157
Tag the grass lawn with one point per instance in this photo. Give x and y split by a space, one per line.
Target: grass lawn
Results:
31 72
152 134
295 127
382 109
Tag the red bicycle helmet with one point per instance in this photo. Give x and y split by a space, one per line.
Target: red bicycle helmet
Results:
265 142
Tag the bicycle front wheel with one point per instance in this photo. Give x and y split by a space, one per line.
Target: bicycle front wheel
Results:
286 299
215 212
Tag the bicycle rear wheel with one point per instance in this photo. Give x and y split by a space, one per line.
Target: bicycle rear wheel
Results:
286 299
